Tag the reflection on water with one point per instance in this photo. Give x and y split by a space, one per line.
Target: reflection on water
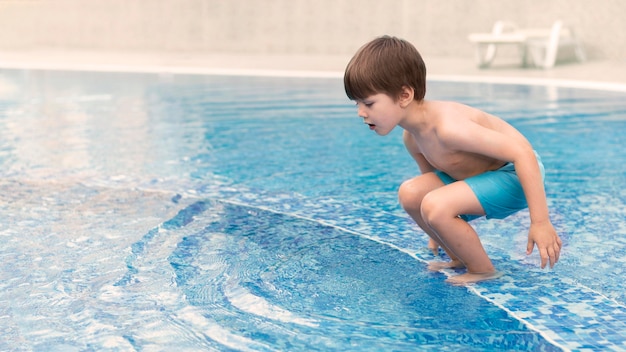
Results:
156 212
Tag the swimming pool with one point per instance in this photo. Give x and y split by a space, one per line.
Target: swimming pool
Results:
158 211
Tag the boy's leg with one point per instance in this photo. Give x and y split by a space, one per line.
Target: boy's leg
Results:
439 211
410 195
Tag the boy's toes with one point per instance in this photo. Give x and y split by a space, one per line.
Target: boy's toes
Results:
436 266
471 278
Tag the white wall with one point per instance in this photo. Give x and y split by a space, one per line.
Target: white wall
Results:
436 27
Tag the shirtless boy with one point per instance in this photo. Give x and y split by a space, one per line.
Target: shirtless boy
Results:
472 163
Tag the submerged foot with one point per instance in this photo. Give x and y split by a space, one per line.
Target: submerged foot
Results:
433 247
470 278
454 264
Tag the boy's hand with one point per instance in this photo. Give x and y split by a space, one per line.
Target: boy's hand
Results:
547 241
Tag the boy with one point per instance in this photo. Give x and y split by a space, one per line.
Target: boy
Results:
472 163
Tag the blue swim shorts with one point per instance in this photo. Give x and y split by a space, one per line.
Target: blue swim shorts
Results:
499 192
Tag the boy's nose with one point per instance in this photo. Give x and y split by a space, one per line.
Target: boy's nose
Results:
361 112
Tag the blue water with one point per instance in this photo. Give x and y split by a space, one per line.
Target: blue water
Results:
189 212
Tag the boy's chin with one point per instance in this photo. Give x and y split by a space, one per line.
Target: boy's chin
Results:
382 132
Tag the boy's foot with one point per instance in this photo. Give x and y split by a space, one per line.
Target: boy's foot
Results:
433 246
470 278
454 264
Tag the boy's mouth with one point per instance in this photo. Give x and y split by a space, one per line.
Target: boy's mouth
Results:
371 125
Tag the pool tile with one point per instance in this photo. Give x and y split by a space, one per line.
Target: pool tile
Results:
570 315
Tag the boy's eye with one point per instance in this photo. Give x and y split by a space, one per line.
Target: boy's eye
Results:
367 104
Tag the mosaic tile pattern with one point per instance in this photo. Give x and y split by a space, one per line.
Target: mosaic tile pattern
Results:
86 208
565 312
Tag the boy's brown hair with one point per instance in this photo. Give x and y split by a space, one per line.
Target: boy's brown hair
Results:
384 65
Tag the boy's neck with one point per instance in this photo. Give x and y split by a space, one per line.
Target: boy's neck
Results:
416 117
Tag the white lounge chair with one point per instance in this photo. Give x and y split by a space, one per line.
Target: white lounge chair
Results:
503 33
543 45
544 51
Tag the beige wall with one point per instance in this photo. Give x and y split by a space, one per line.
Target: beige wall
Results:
436 27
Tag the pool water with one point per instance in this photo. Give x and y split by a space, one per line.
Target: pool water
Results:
193 212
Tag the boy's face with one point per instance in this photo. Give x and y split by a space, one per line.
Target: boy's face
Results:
380 112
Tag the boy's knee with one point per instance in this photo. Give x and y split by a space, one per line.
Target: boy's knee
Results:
433 211
409 195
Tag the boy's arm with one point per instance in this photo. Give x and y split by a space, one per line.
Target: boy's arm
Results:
541 232
513 147
413 149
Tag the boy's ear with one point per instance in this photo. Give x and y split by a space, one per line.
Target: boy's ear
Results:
406 96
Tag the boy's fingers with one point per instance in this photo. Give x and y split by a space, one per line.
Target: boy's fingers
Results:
553 257
557 252
550 255
544 257
529 246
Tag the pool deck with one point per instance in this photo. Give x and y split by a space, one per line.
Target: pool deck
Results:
601 74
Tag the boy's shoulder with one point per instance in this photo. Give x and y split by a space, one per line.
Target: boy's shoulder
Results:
451 116
447 104
446 108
